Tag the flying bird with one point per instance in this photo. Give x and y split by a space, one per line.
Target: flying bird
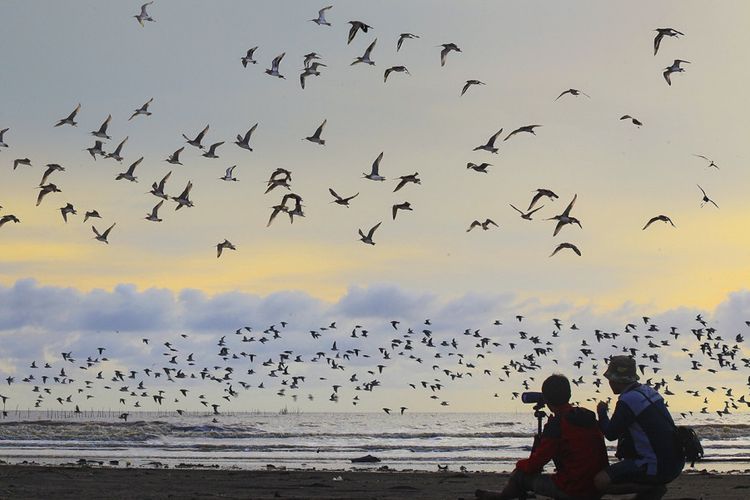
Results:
469 83
70 120
174 158
144 16
400 206
91 214
2 141
526 215
706 199
128 175
356 26
316 136
447 48
67 209
566 245
321 19
482 167
183 200
406 179
311 70
154 215
274 71
102 132
229 174
484 225
224 245
525 128
248 57
661 33
365 58
8 218
368 238
244 142
402 37
490 146
565 217
633 120
103 236
117 153
211 153
659 218
397 69
143 110
541 193
710 162
339 200
674 68
45 190
21 161
198 138
96 149
374 174
573 92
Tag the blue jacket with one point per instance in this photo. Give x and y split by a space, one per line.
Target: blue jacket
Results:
645 431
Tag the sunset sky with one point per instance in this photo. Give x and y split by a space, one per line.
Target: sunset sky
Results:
59 54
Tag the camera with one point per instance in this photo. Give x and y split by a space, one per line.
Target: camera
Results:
532 398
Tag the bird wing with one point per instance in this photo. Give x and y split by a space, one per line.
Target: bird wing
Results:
666 74
651 221
516 209
570 206
338 198
657 42
376 165
155 210
443 53
320 129
491 142
369 49
164 180
200 135
372 230
535 210
352 32
75 112
558 227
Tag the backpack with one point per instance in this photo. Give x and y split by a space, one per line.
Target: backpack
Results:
688 444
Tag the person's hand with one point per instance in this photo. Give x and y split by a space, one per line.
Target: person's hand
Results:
602 407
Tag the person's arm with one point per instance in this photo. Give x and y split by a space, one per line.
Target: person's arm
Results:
616 426
545 450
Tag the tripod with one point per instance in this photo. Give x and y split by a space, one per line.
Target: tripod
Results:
539 414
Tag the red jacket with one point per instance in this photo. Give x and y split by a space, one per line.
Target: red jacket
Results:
572 439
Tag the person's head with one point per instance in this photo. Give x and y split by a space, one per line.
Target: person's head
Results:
556 390
621 372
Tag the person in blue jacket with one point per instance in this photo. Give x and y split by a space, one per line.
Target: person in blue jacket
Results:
645 434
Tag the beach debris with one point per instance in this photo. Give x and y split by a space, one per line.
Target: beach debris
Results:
365 459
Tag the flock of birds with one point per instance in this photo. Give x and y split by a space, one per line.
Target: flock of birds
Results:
356 360
349 364
292 203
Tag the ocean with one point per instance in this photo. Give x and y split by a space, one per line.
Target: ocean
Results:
416 441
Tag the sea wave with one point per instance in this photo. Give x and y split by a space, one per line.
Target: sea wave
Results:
141 431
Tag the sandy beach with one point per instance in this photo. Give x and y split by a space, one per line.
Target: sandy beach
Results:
25 481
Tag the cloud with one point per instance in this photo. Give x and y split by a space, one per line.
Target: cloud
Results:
40 322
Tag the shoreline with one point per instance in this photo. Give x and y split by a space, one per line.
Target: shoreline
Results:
87 482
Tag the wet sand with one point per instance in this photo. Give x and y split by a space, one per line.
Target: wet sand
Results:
25 481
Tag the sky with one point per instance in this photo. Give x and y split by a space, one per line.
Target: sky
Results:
96 54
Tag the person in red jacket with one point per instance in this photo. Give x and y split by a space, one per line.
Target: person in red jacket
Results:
572 440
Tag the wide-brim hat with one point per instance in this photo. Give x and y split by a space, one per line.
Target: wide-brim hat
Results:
621 369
